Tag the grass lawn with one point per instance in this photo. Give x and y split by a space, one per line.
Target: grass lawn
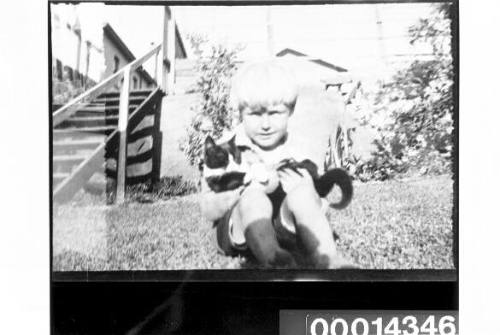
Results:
389 225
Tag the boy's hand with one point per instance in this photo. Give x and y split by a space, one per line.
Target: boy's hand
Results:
290 179
261 177
258 173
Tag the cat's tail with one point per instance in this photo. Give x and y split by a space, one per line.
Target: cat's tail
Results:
335 177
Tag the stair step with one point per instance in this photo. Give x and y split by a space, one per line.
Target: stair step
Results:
112 100
131 93
79 134
66 163
83 104
102 110
94 104
68 158
76 144
57 177
84 130
89 121
93 118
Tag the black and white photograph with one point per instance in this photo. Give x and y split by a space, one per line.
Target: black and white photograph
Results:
311 136
249 167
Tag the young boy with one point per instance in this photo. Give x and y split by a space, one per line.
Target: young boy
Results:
251 218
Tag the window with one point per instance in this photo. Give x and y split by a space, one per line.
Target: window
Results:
134 79
68 73
59 70
117 64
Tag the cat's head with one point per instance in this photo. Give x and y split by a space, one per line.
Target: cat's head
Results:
215 156
223 155
222 169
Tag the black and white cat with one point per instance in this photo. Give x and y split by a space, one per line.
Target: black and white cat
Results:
223 172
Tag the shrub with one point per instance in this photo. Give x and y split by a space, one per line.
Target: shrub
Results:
213 114
64 91
419 103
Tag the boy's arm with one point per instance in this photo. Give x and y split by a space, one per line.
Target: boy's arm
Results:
215 205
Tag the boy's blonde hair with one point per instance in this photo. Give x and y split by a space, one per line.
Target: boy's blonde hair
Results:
262 84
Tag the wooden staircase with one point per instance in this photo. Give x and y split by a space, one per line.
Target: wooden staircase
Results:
84 142
110 132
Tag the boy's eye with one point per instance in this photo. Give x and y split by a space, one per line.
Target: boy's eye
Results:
276 112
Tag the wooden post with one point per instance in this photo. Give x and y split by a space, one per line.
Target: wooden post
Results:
87 64
157 141
171 54
122 129
156 67
164 57
78 33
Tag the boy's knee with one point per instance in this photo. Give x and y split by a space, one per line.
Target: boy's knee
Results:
254 202
303 198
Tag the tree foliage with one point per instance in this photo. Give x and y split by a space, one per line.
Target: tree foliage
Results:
419 103
213 114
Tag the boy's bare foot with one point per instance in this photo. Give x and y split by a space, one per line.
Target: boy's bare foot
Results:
283 259
262 242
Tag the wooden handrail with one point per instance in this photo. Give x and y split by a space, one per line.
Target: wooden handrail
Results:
139 61
72 106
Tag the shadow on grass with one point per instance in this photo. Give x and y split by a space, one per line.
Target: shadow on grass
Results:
164 189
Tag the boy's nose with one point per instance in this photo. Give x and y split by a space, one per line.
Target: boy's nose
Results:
265 122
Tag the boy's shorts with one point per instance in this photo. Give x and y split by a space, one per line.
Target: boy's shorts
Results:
230 240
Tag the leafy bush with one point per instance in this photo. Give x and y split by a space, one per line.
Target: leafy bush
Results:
64 91
419 103
213 115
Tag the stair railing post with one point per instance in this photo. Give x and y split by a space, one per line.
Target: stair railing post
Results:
157 142
171 54
165 62
122 129
156 67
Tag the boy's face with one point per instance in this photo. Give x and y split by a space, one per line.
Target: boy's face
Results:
266 127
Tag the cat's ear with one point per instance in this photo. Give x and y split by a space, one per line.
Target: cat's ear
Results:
234 150
209 143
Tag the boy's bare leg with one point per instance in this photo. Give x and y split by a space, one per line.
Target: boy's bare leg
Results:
254 212
313 227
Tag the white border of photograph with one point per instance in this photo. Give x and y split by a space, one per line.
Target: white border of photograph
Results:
24 233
